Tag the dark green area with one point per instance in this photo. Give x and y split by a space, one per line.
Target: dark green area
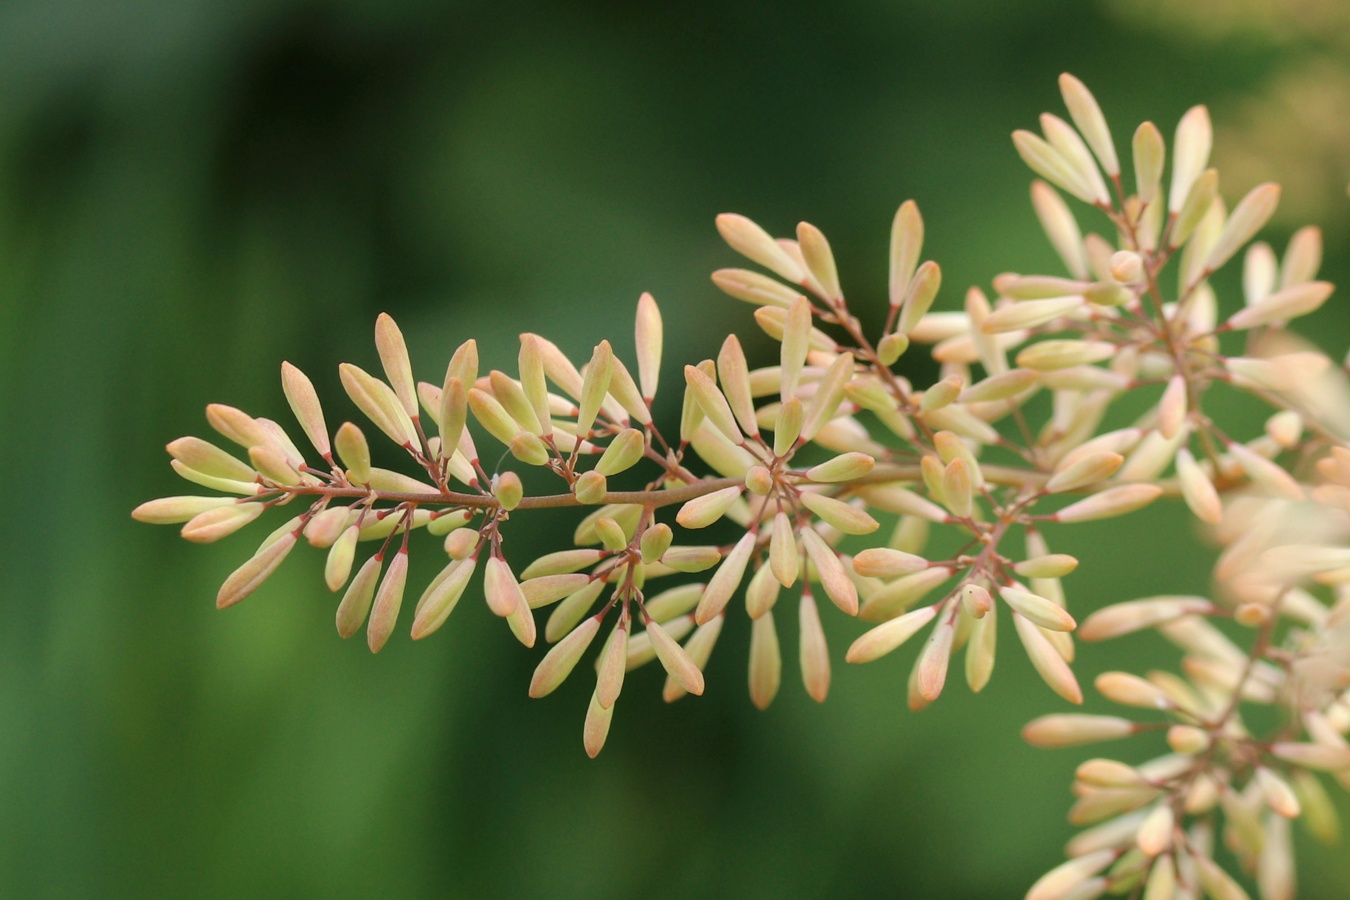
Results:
191 192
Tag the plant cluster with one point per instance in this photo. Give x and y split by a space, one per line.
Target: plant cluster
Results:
1007 445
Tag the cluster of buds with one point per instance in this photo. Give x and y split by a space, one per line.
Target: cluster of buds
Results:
832 444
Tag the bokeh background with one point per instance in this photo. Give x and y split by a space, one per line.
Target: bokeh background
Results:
192 191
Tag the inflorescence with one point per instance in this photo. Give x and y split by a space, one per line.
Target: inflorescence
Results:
1008 443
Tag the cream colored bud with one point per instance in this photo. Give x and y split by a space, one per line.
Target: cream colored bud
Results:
1265 473
1187 739
340 556
1062 354
249 576
509 490
569 612
759 481
1134 615
590 488
528 448
976 601
1127 267
1287 303
1109 773
1115 501
1038 609
1053 565
172 510
1249 217
388 599
236 425
886 637
546 589
509 393
355 604
596 728
957 489
354 451
891 348
944 393
789 426
655 542
1047 660
766 663
613 536
725 580
501 588
754 243
1200 214
900 594
704 511
999 387
594 386
919 296
734 374
1156 831
814 653
1030 314
1277 793
1073 729
1172 409
829 394
1067 880
762 592
1197 489
613 665
221 521
783 551
622 453
712 403
441 596
833 577
1191 154
906 246
1087 115
755 288
844 516
1048 162
380 404
1061 228
304 403
1083 471
820 260
649 337
559 662
691 559
933 661
675 659
1149 155
461 543
883 562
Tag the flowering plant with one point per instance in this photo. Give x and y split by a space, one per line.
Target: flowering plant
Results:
812 455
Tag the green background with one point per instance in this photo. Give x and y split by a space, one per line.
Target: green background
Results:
191 192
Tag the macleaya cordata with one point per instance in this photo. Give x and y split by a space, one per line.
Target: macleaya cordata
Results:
829 470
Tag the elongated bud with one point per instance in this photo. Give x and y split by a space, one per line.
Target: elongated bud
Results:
1065 880
594 386
1155 832
883 562
454 412
355 604
1288 303
304 402
613 661
1190 155
380 404
891 348
384 612
829 394
1062 354
1115 501
1172 408
596 728
1061 228
833 577
1277 793
712 403
1071 147
691 559
559 662
622 453
704 511
1197 490
649 338
354 452
1085 470
1030 314
1072 729
887 636
783 551
725 580
957 489
734 374
248 577
1049 163
762 592
678 664
441 597
1265 473
1087 115
813 653
1053 565
492 415
755 288
624 389
1134 615
1131 690
754 243
789 426
532 383
340 556
461 543
172 510
394 357
1199 206
1047 660
528 448
569 612
1149 154
1038 609
846 517
500 587
796 342
766 663
214 524
923 289
611 533
906 245
1249 217
930 671
820 260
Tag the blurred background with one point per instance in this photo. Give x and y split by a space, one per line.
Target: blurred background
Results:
191 192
